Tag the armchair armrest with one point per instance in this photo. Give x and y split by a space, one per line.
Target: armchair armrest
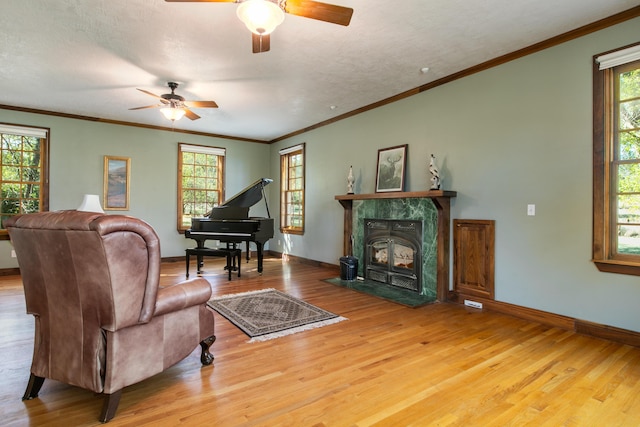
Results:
185 294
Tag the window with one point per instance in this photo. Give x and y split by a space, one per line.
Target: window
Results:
200 181
292 189
25 173
616 161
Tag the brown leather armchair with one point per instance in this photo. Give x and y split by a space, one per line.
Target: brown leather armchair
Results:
102 322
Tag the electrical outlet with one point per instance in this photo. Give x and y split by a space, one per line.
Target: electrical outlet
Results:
13 253
473 304
531 210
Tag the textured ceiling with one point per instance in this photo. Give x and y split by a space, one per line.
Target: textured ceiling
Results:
87 57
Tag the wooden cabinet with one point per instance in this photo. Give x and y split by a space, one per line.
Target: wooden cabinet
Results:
473 257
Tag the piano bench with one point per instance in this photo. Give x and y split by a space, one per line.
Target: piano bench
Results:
232 254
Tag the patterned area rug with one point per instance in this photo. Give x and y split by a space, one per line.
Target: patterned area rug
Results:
268 313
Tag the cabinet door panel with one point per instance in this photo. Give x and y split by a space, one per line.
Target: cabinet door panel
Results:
473 257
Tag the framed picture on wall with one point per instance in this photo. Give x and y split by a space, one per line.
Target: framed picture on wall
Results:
116 183
392 163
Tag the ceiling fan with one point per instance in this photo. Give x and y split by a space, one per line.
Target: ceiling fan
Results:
175 106
262 16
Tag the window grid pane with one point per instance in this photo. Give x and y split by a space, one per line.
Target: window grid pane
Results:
626 164
22 176
201 185
292 192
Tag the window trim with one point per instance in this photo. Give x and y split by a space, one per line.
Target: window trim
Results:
285 154
603 254
45 136
203 149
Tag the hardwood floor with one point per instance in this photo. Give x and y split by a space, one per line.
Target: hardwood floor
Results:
388 365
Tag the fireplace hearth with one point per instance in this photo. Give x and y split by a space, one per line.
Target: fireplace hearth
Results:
393 252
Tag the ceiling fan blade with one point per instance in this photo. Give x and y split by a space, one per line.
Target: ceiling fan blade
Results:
190 114
321 11
152 94
201 104
260 42
148 106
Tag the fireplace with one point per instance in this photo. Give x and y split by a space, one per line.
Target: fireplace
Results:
393 252
432 208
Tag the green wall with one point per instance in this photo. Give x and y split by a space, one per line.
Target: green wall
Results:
514 135
77 154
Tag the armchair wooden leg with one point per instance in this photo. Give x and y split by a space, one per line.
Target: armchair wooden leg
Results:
33 388
110 406
206 358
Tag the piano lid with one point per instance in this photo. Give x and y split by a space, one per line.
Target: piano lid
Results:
249 196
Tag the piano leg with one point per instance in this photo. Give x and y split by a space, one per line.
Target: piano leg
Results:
186 258
199 258
259 246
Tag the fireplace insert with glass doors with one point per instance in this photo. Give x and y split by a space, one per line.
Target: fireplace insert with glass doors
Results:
393 252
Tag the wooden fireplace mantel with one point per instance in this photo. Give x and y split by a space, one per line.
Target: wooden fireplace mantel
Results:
441 199
398 195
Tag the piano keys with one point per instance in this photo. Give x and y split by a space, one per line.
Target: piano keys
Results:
230 222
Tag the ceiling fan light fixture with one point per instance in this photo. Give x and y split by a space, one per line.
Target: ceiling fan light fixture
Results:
173 113
260 16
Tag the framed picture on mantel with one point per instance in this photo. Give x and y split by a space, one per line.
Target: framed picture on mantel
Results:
392 163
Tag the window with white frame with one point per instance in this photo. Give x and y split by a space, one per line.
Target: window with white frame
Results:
200 181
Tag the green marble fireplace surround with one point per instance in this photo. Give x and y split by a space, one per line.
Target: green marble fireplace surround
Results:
399 209
432 207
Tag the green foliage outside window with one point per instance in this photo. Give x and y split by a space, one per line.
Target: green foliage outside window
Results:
292 192
201 185
627 163
21 165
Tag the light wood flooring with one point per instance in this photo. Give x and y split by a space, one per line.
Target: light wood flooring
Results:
388 365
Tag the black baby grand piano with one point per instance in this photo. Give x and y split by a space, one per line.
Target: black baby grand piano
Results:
230 222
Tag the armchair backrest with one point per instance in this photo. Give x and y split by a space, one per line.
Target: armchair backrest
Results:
83 273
